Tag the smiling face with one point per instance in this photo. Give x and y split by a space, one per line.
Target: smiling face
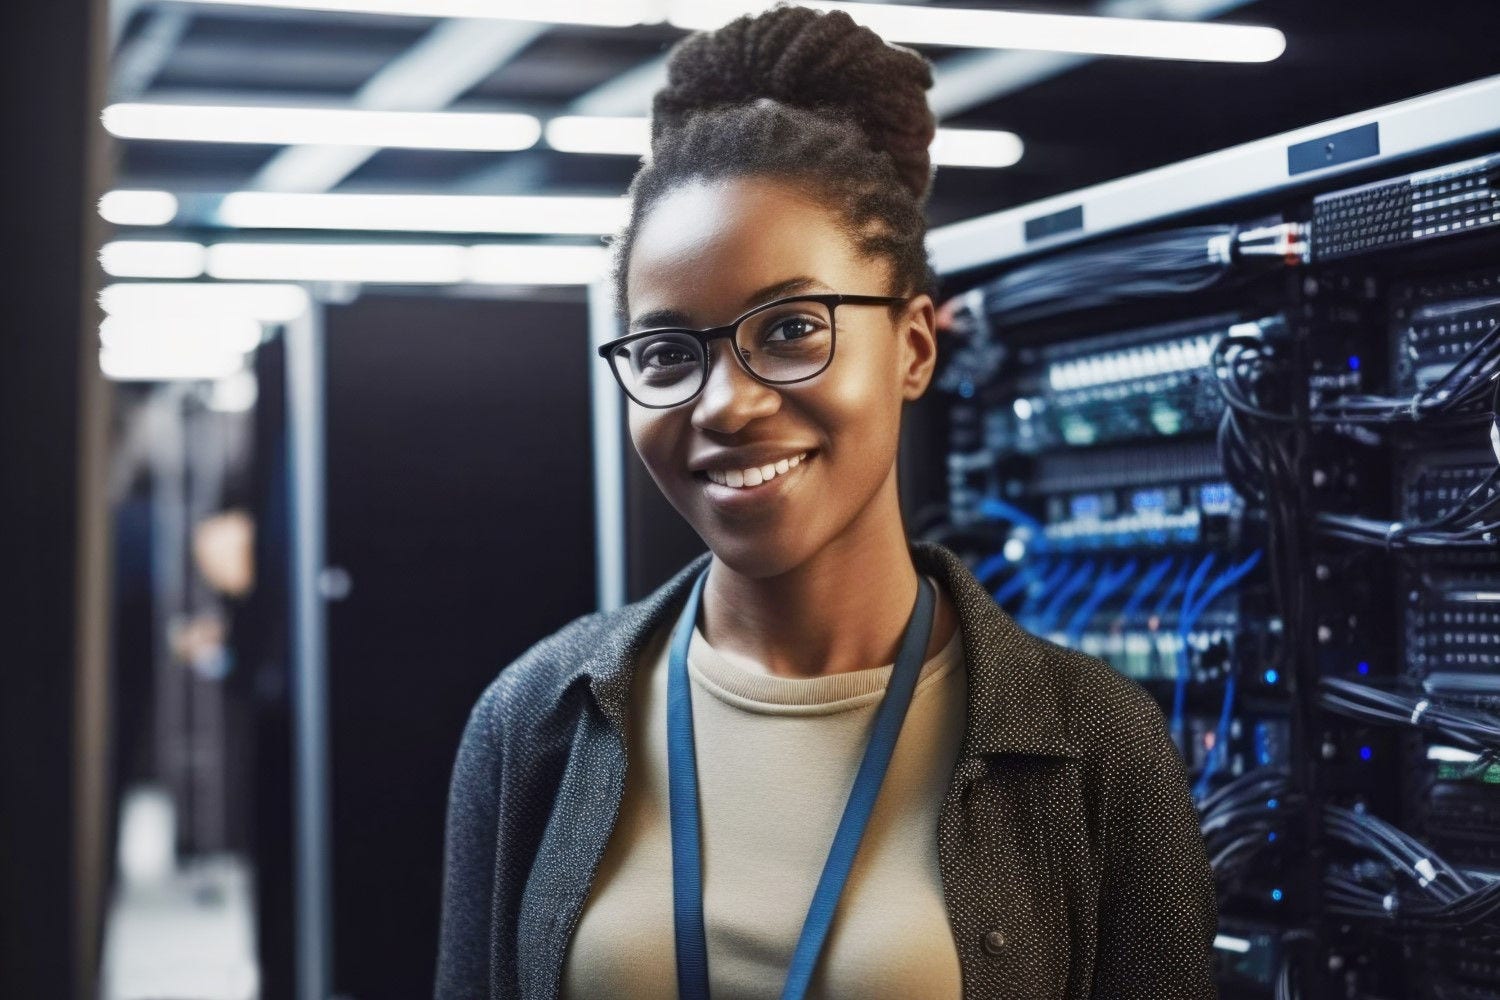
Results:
710 251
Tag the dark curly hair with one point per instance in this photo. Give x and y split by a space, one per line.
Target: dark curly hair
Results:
804 97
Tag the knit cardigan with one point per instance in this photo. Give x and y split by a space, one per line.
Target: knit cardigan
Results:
1071 859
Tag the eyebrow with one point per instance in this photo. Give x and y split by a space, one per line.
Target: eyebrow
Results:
673 317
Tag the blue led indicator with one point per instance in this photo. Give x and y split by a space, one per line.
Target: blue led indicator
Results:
1271 837
1270 803
1364 666
1276 895
1148 499
1365 753
1354 362
966 389
1271 676
1085 506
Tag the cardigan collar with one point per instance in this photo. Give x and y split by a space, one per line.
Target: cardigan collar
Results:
1014 701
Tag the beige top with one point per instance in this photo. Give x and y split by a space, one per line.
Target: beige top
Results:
776 760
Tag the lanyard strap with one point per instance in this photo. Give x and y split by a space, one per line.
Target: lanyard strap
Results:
682 776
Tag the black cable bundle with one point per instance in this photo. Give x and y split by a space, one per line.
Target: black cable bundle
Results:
1472 523
1244 362
1240 818
1443 897
1470 728
1260 460
1467 394
1177 262
1462 396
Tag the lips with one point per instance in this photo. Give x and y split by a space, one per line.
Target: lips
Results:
754 475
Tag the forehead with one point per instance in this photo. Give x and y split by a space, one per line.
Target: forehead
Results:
706 248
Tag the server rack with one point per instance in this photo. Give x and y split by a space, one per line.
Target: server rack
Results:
1230 425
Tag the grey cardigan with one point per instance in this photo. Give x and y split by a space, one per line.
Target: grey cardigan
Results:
1071 861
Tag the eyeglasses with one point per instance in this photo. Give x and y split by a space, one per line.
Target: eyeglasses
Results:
788 340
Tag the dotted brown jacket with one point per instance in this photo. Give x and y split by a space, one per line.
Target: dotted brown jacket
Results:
1071 861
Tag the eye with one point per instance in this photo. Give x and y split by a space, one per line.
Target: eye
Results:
666 355
794 327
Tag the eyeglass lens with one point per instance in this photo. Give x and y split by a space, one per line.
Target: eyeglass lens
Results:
784 343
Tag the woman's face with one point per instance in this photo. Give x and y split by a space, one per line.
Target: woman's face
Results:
710 251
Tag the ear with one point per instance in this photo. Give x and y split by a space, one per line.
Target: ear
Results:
917 330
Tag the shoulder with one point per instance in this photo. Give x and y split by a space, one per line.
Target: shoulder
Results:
538 680
1108 715
543 670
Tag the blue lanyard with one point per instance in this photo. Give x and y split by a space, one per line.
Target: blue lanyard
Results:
682 771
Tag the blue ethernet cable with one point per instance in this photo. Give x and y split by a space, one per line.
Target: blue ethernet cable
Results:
1027 573
1054 607
990 567
1049 584
1221 739
1184 623
1148 583
1002 510
1107 583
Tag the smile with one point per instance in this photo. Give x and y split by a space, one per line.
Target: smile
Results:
745 479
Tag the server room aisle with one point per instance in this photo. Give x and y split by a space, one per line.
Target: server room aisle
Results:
306 437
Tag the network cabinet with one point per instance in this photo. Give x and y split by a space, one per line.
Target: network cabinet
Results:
1231 427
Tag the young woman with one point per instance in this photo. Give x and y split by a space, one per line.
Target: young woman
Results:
703 793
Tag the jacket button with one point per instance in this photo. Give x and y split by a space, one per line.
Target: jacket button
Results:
994 941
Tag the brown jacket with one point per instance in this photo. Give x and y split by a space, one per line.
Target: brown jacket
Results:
1071 859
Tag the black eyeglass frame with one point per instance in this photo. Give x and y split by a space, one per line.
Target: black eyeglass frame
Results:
830 299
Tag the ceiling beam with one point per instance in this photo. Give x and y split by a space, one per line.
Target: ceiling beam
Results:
449 60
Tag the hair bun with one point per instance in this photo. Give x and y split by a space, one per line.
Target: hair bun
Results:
823 62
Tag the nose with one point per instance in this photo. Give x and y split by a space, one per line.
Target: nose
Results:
731 397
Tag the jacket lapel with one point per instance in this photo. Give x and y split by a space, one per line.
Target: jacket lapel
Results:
1012 832
1013 706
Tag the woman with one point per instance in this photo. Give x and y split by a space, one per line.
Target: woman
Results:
656 801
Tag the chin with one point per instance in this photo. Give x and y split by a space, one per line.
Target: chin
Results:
754 557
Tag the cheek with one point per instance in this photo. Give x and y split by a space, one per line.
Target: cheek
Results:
654 439
861 409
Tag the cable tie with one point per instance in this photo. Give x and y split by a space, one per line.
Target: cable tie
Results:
1425 869
1415 407
1416 713
1389 903
1391 530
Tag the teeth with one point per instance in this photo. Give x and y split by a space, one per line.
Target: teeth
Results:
754 476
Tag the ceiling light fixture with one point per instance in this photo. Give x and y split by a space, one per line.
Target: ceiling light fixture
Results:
138 208
293 126
161 300
951 147
904 23
426 213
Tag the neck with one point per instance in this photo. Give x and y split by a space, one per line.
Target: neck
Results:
844 608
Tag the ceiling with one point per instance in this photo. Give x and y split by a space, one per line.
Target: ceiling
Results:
1083 120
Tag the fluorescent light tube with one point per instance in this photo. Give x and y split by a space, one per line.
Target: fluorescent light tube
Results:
1001 29
375 263
610 13
151 259
600 134
428 213
991 29
165 362
138 208
294 126
631 136
537 265
237 334
158 300
973 147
